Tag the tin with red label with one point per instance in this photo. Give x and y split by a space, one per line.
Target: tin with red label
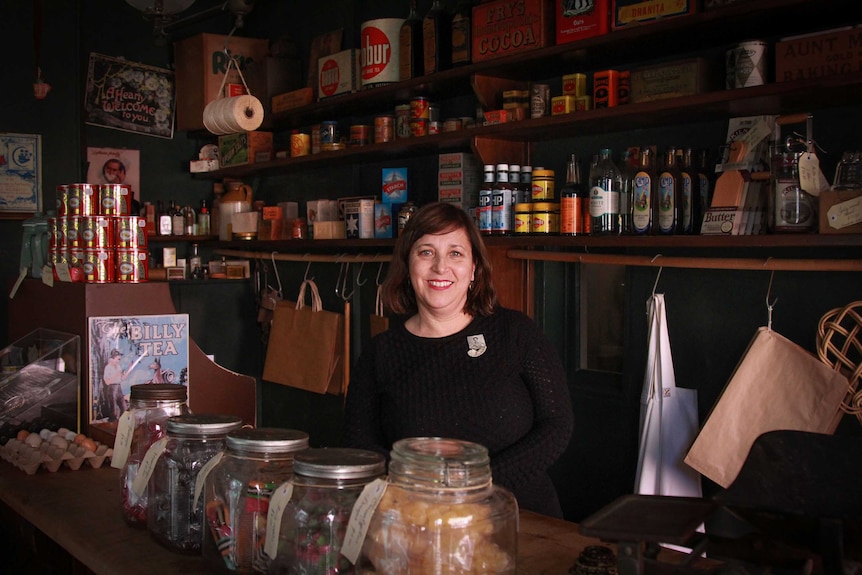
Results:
53 234
96 232
83 200
420 107
132 265
74 259
62 199
115 199
360 135
384 128
130 232
418 127
99 266
70 228
62 266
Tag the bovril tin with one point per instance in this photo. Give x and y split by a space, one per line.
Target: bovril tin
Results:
96 232
130 232
132 265
115 199
100 266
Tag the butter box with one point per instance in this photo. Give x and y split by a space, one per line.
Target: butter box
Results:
627 13
829 53
244 148
580 20
338 74
669 80
503 27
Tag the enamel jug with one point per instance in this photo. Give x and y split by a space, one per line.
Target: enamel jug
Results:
34 244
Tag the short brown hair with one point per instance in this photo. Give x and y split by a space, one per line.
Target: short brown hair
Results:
438 218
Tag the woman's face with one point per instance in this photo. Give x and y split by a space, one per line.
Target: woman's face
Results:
441 269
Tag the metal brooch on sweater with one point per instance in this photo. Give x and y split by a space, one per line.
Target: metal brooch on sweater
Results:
477 345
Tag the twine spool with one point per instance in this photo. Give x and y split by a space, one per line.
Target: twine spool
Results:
234 114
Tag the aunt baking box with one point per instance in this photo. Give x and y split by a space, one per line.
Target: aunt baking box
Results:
579 19
338 74
504 27
627 13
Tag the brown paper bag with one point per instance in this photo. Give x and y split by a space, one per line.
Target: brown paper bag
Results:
777 385
305 345
378 321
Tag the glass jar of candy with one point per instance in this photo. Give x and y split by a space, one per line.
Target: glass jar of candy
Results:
326 484
150 405
236 496
440 513
175 509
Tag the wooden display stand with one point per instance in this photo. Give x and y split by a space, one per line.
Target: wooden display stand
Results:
68 306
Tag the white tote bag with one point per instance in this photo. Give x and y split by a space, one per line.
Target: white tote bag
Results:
668 420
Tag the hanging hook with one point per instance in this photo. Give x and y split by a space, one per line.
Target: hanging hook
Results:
770 305
359 281
341 284
379 271
657 277
306 278
275 269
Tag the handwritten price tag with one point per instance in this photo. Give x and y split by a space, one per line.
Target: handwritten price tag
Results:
145 471
277 504
360 517
123 440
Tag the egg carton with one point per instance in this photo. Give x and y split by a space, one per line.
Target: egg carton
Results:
50 450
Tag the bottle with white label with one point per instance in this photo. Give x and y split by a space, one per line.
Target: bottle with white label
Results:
606 181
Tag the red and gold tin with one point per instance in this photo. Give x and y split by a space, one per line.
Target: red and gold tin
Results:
75 261
384 128
83 199
96 232
360 135
402 121
418 127
132 265
53 234
130 232
70 228
62 199
420 107
115 199
99 266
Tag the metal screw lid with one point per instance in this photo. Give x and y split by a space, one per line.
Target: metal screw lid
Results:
202 424
339 463
159 392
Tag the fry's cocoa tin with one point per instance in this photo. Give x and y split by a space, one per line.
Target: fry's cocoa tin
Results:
96 232
132 265
99 266
83 200
115 199
130 232
62 199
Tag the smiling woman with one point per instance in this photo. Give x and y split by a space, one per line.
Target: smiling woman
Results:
459 365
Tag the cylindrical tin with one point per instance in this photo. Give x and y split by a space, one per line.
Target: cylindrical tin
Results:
130 232
96 232
360 135
99 266
132 265
315 139
329 133
540 100
74 259
434 127
746 65
384 128
434 112
53 233
87 198
73 200
420 107
402 121
418 127
546 219
523 219
62 199
543 185
300 145
379 63
70 229
115 199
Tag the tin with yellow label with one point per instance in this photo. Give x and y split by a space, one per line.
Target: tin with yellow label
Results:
523 219
543 185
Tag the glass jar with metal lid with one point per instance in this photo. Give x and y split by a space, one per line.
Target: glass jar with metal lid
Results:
545 219
441 513
150 406
236 496
175 509
326 484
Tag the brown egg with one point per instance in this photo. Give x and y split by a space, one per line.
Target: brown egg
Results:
22 435
79 438
88 444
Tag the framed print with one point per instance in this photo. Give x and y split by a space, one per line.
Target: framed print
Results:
20 173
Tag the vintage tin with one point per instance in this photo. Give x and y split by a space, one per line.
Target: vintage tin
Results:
746 65
360 135
629 13
99 265
115 199
543 185
300 144
130 232
70 227
562 105
546 219
384 128
540 100
329 133
501 30
452 125
96 232
606 88
62 199
418 127
83 200
379 61
575 84
402 121
133 265
420 107
315 139
579 20
53 233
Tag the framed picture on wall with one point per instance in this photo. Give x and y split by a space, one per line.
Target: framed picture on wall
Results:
129 96
20 173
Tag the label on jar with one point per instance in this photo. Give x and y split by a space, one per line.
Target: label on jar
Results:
277 503
360 518
123 439
148 464
202 475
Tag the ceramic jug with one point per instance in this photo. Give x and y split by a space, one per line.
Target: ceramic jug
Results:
34 244
237 198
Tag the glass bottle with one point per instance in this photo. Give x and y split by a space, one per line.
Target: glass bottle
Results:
175 516
501 203
204 219
705 177
688 176
462 39
628 165
178 220
150 406
644 190
605 186
165 225
195 265
236 494
410 60
667 210
791 208
441 513
326 484
190 221
483 212
525 189
436 39
574 201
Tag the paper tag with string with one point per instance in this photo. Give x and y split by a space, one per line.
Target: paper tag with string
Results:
811 178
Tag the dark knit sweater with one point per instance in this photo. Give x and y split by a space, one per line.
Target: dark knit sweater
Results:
513 399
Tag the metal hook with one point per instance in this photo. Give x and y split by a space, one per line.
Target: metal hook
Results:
306 278
379 271
770 306
275 269
359 276
341 284
657 277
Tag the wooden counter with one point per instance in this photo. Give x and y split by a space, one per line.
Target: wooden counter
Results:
80 510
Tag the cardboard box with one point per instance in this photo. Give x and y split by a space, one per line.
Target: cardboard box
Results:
627 13
503 27
245 148
329 230
670 80
841 212
200 64
459 177
579 20
338 74
292 100
830 53
394 185
383 218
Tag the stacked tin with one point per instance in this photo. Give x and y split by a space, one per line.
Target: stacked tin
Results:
94 238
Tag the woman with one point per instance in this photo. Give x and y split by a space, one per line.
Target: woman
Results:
461 366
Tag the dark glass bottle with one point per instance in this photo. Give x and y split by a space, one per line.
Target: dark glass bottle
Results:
605 186
706 181
502 215
485 196
574 202
437 39
628 165
410 42
644 189
688 173
667 212
462 38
